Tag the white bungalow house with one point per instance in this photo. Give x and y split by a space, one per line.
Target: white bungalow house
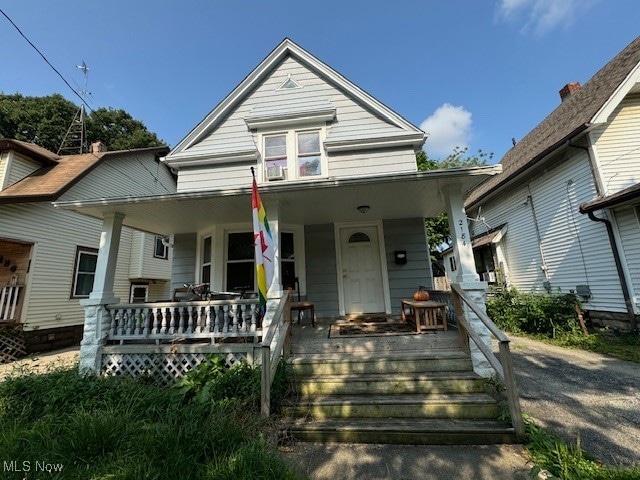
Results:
563 214
337 173
48 256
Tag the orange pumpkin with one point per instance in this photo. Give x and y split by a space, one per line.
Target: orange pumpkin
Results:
421 295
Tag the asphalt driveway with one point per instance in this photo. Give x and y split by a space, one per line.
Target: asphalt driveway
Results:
576 393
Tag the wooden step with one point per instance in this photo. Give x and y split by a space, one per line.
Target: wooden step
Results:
389 362
470 405
394 383
409 431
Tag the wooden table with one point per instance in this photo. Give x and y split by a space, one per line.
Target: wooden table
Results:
427 315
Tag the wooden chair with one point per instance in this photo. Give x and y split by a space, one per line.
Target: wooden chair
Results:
301 306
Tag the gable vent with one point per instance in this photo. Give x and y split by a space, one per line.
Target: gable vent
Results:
289 84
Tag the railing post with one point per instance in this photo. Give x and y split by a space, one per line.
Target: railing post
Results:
265 391
512 390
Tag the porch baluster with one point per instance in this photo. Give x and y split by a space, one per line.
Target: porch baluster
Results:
225 318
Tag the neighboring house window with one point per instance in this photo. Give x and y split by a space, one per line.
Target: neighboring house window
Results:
293 155
84 272
452 263
241 261
160 250
139 293
205 272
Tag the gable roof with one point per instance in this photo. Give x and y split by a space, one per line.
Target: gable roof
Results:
49 182
590 104
288 48
30 150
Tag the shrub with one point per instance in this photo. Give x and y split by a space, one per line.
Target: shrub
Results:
534 313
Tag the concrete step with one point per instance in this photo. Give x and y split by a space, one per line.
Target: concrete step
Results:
370 384
409 431
458 406
380 362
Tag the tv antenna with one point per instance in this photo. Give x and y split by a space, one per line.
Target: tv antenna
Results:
75 140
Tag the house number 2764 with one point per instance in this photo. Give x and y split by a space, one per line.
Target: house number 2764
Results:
463 236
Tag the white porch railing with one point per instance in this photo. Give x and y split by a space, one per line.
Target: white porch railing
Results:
9 297
178 321
166 340
503 366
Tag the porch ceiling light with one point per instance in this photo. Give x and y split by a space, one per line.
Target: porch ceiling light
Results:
363 208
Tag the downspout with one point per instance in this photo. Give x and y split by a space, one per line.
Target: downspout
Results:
538 237
616 256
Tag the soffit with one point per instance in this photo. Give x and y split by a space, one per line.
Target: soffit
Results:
412 195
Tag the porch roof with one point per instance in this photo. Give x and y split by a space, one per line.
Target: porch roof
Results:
404 195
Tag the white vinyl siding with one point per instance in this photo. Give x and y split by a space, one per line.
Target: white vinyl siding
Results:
19 167
371 162
4 166
629 229
143 263
125 176
569 240
353 121
55 235
617 146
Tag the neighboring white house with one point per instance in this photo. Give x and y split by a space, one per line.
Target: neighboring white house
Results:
337 172
529 228
48 256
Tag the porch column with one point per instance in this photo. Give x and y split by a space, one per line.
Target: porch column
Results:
96 316
467 277
273 215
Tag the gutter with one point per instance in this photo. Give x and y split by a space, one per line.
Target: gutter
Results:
616 256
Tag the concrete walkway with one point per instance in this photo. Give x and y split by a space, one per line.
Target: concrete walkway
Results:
576 393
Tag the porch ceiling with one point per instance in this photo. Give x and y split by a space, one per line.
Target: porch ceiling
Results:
419 194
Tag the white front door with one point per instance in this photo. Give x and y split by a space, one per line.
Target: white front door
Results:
361 271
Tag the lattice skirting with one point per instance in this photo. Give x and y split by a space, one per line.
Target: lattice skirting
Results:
166 367
12 345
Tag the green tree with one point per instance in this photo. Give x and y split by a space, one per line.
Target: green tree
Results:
438 227
40 120
45 121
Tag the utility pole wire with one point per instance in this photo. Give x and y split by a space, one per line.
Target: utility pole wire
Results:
45 59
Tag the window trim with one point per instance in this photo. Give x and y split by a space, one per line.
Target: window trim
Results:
74 281
291 139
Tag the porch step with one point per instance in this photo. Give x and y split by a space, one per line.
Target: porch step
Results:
384 362
407 397
370 384
468 406
410 431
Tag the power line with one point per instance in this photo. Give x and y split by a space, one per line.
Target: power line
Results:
45 59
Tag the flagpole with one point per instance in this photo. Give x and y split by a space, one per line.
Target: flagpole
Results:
263 246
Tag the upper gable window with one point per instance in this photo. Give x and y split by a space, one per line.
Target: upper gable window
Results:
293 155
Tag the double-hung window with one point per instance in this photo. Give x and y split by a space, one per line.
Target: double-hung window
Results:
295 154
308 154
84 272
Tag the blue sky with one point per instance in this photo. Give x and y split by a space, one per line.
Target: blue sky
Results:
472 73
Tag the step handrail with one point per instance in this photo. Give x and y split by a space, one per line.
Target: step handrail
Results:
504 365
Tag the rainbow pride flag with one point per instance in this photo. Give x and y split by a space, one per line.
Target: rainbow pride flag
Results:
263 242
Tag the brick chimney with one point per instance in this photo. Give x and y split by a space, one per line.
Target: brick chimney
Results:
568 89
98 146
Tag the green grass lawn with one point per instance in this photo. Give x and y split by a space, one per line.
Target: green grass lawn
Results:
61 425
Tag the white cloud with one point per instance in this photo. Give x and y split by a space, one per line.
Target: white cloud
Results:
542 16
447 128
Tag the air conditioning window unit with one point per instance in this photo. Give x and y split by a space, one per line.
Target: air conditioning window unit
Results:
275 173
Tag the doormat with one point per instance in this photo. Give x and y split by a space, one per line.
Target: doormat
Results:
372 329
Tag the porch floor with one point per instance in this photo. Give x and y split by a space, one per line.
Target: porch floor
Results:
306 339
